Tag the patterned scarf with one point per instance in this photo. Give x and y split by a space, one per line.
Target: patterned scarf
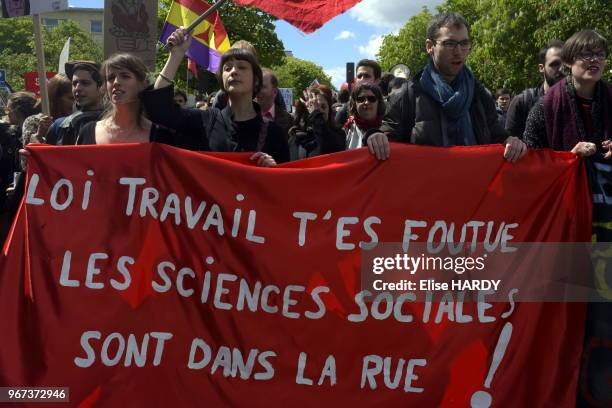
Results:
455 100
564 125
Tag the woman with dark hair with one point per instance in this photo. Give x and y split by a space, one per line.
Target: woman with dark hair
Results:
366 111
124 78
61 100
575 114
315 132
239 127
19 106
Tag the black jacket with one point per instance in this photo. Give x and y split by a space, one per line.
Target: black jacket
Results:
10 143
315 139
519 108
414 117
69 129
212 129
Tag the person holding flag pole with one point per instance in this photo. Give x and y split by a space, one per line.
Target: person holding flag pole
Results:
237 128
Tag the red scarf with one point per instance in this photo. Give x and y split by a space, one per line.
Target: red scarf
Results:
362 123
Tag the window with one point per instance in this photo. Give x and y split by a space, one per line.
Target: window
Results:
96 26
51 22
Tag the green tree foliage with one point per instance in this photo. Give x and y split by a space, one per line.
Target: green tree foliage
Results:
467 8
18 54
257 27
15 33
505 50
507 35
16 65
562 18
241 23
408 46
298 74
82 44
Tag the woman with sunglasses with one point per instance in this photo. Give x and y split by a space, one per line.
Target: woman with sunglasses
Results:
366 109
315 131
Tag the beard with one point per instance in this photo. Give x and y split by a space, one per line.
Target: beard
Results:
551 80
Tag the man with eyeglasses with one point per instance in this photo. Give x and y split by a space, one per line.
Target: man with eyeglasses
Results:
549 64
444 105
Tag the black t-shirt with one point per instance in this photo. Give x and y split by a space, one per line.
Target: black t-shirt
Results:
274 141
247 133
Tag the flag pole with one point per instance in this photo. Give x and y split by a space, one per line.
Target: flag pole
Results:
40 57
194 24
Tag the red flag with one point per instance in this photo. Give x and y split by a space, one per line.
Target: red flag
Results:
308 16
191 66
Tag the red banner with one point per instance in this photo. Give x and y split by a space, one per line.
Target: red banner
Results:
167 277
31 81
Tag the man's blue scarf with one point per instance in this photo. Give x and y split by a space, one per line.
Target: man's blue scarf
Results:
455 99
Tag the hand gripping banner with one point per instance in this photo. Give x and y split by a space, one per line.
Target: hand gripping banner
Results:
144 275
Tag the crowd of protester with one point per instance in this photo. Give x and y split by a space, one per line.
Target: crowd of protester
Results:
442 105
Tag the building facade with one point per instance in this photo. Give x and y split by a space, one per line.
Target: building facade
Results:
91 20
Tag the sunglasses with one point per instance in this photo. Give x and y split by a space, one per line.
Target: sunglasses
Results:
369 98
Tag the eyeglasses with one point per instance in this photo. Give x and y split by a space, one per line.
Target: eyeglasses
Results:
369 98
591 56
465 45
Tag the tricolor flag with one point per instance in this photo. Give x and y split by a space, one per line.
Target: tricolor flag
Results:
210 39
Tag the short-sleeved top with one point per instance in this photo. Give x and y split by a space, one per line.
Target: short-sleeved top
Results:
87 135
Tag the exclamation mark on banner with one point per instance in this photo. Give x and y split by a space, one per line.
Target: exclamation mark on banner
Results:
482 399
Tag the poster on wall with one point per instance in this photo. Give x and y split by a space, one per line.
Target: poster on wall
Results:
20 8
131 26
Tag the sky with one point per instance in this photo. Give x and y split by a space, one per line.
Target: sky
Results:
349 37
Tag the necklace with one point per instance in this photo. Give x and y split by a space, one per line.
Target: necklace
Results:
117 132
113 127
